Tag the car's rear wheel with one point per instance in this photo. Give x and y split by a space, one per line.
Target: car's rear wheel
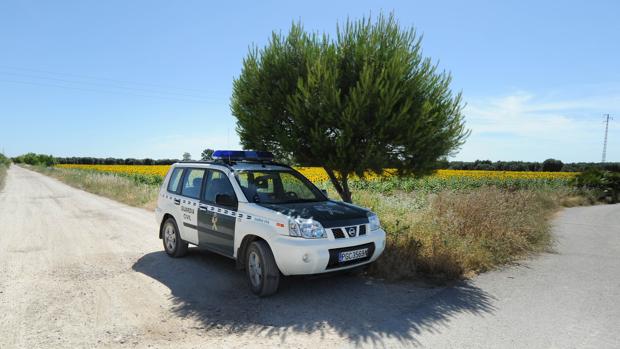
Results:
173 245
261 269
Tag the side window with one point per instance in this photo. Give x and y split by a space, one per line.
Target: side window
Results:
218 184
192 183
175 178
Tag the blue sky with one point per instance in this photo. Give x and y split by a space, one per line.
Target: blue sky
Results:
153 78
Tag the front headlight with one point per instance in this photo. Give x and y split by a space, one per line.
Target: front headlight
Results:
306 228
373 221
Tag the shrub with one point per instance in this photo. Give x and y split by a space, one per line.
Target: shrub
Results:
605 183
462 232
4 160
552 165
4 164
36 159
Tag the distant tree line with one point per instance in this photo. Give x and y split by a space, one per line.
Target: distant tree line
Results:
114 161
49 160
549 165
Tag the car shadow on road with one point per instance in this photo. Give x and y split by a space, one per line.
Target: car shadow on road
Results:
207 287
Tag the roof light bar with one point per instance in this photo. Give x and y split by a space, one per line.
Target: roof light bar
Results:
241 155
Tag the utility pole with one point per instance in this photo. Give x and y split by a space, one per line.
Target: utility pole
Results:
607 118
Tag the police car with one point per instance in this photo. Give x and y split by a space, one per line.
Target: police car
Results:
266 216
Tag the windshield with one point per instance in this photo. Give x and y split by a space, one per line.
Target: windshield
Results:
276 187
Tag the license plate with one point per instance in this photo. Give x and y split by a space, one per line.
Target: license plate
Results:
352 255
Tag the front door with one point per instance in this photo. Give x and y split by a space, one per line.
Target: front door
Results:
216 219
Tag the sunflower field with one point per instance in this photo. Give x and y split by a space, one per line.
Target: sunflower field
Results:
440 180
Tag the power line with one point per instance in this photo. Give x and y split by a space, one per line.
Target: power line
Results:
101 85
101 91
99 78
607 118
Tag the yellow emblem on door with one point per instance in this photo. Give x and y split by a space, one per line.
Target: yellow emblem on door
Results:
214 221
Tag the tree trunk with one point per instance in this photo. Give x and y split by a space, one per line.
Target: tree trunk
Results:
342 185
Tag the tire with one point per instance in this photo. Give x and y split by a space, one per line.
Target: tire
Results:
261 269
173 245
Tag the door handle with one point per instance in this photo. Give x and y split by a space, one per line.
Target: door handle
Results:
177 201
202 207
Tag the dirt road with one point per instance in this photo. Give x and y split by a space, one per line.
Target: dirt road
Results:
78 270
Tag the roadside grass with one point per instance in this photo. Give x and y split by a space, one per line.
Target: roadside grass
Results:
3 169
449 234
460 233
442 232
121 188
4 165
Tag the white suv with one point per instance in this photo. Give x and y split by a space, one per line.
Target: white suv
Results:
267 216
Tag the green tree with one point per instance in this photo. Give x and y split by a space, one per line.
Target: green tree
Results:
207 154
605 183
36 159
361 102
187 156
552 165
4 160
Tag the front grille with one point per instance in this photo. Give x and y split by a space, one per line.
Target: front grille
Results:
341 233
362 230
338 234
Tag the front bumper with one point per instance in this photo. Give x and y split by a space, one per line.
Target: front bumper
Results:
297 256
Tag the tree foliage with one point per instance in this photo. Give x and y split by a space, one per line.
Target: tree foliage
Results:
35 159
4 161
207 154
552 165
526 166
113 161
606 183
361 102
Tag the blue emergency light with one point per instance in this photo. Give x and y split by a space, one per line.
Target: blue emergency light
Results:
242 155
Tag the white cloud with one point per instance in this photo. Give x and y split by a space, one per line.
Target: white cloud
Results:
525 126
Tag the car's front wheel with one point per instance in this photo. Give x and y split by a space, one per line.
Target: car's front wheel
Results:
173 245
261 269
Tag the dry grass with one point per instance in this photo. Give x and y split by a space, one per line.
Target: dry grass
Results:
3 169
115 187
460 233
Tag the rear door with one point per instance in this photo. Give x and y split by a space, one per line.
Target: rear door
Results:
191 188
172 197
216 216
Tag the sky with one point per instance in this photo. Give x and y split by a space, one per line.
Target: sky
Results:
153 78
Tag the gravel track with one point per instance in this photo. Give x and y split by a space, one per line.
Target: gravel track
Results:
78 270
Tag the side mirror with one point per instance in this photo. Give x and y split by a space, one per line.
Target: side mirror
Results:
226 200
324 191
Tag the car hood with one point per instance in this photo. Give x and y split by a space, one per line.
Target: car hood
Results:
328 213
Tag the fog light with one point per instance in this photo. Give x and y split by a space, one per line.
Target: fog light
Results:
305 258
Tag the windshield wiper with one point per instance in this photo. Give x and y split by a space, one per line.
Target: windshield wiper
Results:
301 200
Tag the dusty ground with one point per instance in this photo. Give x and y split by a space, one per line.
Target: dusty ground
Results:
78 270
